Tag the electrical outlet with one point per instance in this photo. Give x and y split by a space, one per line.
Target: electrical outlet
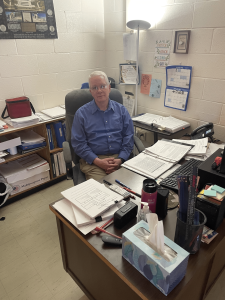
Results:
141 135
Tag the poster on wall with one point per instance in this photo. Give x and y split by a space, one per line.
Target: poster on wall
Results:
162 53
27 19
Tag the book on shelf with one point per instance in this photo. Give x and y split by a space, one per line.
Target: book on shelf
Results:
169 124
58 164
56 134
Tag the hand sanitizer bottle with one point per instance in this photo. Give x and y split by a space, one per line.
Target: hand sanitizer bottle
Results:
143 212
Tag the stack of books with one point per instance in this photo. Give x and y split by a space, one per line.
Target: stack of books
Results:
30 141
58 164
56 134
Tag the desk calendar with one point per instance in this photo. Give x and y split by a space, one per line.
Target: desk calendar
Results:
178 81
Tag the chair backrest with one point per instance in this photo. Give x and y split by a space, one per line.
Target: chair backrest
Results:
75 100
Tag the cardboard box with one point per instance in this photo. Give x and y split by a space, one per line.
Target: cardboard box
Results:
31 182
162 274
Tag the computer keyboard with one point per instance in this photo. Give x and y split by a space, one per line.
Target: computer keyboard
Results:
170 181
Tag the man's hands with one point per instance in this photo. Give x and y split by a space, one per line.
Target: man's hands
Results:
108 164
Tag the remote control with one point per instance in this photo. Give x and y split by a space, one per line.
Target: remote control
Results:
119 190
111 240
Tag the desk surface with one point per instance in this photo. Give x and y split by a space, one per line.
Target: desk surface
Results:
198 278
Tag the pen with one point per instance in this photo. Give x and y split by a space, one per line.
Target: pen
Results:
107 182
136 194
117 181
102 230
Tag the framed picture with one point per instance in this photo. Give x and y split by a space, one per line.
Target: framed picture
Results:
181 43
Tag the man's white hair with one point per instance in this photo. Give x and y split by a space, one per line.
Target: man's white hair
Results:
99 73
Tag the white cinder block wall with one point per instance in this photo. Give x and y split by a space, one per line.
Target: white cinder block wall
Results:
46 70
206 20
90 37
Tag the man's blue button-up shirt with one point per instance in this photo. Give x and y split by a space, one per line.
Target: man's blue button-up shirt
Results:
96 132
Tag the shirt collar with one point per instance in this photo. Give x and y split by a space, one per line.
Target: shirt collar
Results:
94 107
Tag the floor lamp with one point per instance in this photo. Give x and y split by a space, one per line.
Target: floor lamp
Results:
137 25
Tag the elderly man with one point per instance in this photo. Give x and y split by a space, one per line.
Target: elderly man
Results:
102 131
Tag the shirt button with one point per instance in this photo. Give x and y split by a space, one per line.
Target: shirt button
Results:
109 146
106 121
109 135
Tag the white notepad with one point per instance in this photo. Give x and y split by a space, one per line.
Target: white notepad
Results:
92 197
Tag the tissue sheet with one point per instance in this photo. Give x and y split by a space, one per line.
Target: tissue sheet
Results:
163 274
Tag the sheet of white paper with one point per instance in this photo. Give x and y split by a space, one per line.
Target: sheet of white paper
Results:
148 165
169 151
162 53
211 149
29 136
128 74
128 102
43 117
84 219
200 146
130 46
147 118
65 208
92 197
167 173
54 112
178 77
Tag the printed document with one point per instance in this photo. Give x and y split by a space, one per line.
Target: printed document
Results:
168 151
200 146
128 102
147 165
92 197
130 46
65 208
147 118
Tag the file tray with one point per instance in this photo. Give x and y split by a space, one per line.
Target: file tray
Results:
162 274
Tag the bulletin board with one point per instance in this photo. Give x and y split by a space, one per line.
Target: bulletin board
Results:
27 19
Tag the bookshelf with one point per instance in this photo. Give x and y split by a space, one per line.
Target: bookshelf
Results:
45 152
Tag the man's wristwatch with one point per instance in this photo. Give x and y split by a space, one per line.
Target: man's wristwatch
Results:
122 160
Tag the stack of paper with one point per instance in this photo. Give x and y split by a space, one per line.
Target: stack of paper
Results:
88 203
55 112
199 149
30 141
157 159
169 124
23 122
25 172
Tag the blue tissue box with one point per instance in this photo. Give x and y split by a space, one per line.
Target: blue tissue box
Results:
163 274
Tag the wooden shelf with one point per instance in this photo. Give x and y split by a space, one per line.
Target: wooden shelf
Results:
9 157
56 150
44 152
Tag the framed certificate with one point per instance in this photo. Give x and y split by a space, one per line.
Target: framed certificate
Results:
128 74
181 43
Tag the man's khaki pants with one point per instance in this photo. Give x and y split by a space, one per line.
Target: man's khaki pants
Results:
92 171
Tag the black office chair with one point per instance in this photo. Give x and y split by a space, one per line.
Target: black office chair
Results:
73 101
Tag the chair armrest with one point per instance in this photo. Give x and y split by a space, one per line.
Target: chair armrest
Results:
138 143
68 160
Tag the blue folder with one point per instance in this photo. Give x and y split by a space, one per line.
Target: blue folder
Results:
50 140
24 147
59 134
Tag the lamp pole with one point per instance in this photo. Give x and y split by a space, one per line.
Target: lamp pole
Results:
137 25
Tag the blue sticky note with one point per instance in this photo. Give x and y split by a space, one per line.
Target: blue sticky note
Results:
155 89
218 189
210 193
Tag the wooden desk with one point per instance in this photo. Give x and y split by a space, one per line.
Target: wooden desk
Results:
103 274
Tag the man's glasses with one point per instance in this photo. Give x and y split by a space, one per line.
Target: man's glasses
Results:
101 87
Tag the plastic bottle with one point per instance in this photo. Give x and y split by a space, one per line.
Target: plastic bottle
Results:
143 212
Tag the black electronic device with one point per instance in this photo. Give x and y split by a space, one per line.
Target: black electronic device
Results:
186 169
203 131
207 174
162 202
213 209
222 166
107 239
126 213
112 82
